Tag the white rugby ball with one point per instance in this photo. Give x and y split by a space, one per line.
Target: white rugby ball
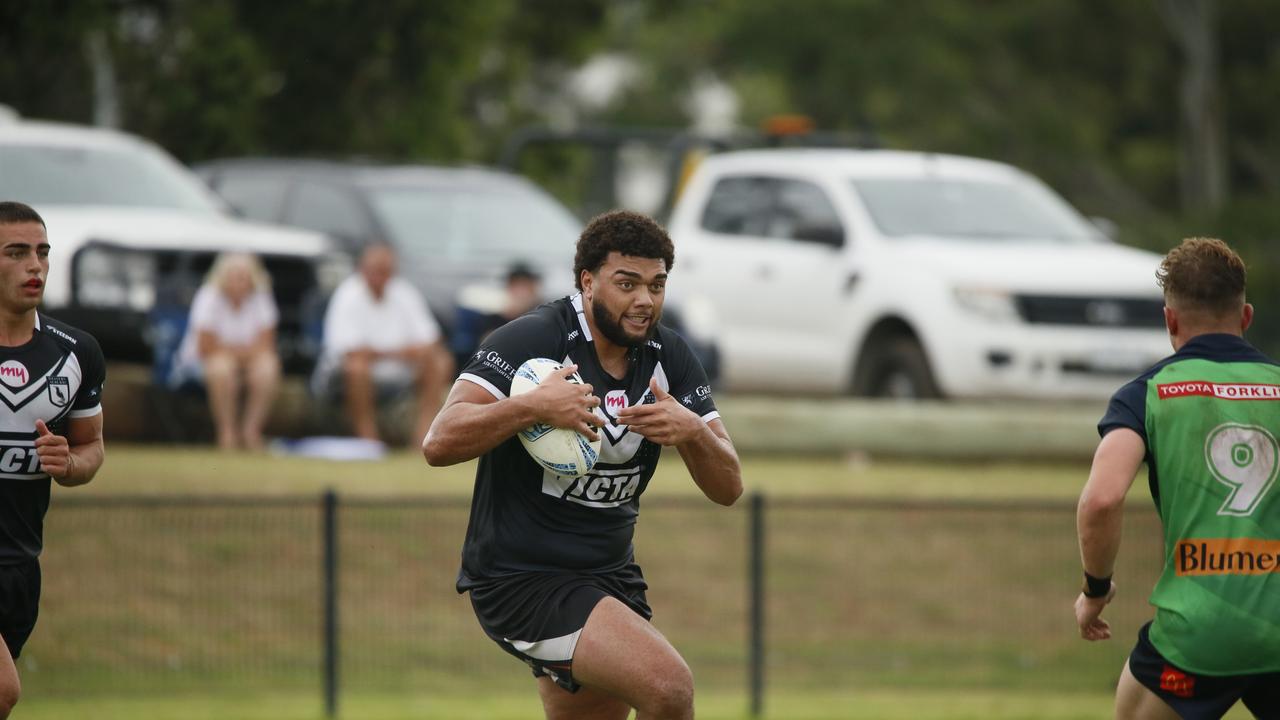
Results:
564 452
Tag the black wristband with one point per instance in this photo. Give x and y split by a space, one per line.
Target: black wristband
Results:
1095 587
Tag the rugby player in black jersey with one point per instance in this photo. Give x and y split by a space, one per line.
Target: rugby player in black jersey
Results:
548 561
50 424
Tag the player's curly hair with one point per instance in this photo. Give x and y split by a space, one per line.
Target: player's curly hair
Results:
1203 274
627 232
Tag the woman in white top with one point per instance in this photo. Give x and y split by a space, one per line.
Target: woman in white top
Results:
231 344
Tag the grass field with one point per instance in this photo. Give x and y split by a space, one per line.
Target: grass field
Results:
880 610
155 469
835 705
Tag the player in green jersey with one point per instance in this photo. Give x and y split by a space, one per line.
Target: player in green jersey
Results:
1205 421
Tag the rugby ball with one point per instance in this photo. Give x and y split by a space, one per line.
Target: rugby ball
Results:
564 452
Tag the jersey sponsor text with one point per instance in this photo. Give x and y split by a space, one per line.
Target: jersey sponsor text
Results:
615 401
20 462
494 361
14 373
60 334
1222 391
1227 556
608 488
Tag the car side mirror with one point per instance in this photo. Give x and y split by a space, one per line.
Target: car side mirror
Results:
832 235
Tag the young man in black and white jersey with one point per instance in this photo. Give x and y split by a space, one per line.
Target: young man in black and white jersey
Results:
50 424
548 561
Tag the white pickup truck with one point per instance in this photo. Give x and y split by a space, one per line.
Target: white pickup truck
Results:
902 274
133 232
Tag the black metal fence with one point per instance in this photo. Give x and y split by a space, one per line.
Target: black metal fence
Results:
213 595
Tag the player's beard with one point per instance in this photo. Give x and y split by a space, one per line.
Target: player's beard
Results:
611 327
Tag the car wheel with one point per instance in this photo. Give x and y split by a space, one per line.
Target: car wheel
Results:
895 367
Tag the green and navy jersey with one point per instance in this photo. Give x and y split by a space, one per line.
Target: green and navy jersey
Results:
527 519
1210 417
56 376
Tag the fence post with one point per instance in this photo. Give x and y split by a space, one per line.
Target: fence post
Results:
329 528
755 604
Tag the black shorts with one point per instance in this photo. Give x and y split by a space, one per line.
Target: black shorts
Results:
19 603
1202 696
537 617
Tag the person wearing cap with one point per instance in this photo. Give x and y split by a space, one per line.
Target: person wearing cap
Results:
482 310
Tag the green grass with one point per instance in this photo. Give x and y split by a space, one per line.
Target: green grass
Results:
887 611
868 705
876 704
151 469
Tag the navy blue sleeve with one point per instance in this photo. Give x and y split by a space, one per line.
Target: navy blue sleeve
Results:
1127 409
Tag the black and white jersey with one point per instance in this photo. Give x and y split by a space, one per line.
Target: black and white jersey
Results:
524 518
54 377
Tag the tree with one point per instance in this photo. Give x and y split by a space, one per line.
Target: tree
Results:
1203 178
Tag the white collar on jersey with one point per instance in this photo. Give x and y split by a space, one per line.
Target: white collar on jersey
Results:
576 300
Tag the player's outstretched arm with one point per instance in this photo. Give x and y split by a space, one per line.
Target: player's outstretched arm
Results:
473 422
1099 520
74 459
705 447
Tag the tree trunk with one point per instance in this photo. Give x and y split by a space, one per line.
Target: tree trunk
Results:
106 94
1193 24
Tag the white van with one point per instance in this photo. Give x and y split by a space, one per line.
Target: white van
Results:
903 274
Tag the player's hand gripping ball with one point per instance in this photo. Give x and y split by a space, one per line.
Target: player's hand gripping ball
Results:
564 452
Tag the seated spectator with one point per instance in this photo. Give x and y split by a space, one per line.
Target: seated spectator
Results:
481 310
524 292
230 346
380 339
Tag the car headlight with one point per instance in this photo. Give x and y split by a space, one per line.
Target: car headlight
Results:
989 303
109 278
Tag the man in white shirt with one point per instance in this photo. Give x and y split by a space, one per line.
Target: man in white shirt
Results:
379 335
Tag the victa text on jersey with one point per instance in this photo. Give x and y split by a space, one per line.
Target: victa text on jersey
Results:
608 488
19 460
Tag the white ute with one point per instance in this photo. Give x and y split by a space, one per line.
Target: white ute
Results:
132 232
902 274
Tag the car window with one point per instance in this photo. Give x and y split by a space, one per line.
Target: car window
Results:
958 207
803 212
258 197
327 209
471 224
69 175
740 206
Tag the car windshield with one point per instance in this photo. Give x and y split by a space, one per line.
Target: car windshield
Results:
963 208
63 175
471 224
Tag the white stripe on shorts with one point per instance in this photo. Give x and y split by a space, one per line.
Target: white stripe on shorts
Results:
556 649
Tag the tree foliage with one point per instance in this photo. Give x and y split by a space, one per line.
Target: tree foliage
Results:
1091 96
204 78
